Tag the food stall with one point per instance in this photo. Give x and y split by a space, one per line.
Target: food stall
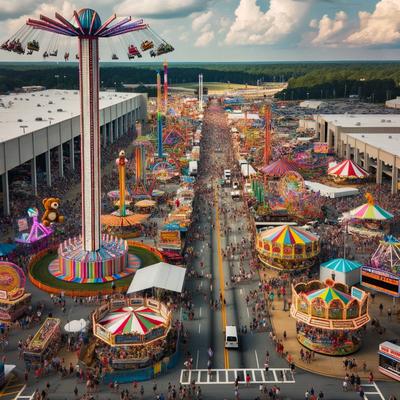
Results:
45 343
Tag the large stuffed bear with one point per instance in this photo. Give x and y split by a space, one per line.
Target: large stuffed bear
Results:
51 214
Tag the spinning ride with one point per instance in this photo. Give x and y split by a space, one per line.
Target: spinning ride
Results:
287 248
291 184
14 301
37 232
329 316
90 258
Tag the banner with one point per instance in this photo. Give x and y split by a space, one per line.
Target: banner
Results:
321 148
22 224
170 236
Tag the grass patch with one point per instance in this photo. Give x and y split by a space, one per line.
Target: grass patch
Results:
40 272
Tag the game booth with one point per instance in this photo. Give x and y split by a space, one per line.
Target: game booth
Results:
382 273
389 359
131 333
14 301
287 248
45 344
330 318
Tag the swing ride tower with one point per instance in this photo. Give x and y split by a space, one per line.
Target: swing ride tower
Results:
92 257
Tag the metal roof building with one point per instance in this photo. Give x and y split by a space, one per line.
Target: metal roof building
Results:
39 123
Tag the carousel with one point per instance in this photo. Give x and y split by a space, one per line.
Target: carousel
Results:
287 248
132 333
14 301
330 318
369 219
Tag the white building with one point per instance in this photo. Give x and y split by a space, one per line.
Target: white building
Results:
40 123
312 104
372 140
394 103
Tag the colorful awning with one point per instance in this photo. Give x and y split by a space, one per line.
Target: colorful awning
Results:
341 265
347 169
329 294
279 168
288 235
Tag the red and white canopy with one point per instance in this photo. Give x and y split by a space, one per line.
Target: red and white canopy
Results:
347 169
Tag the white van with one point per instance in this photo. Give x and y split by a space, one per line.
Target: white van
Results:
231 337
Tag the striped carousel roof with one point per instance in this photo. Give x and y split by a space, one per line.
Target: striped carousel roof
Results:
347 169
288 235
329 294
341 265
279 168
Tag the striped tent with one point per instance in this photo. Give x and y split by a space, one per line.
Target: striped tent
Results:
288 235
279 168
347 169
329 294
371 211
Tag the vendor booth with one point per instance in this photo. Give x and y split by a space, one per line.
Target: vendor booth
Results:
341 270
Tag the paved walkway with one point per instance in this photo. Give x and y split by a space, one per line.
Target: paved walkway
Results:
333 366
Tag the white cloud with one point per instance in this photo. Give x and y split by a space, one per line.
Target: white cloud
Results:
328 29
224 24
14 8
313 24
382 26
204 39
161 8
201 20
184 37
252 26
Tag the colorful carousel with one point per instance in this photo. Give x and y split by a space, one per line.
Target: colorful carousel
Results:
131 321
330 318
279 168
287 248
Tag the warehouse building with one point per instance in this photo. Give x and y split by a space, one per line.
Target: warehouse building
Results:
38 127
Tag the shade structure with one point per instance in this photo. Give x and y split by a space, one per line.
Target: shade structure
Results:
387 255
348 169
125 320
343 270
145 203
279 168
75 326
329 294
161 276
114 195
370 212
129 220
288 235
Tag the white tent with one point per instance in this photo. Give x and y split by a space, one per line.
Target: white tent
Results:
329 191
75 326
161 276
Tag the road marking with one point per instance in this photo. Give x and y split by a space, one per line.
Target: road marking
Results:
377 392
197 359
258 364
201 284
200 312
199 327
248 314
212 376
221 274
241 291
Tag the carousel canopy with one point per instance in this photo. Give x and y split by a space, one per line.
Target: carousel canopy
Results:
341 265
329 294
145 203
126 320
161 275
347 169
119 221
279 168
288 235
371 211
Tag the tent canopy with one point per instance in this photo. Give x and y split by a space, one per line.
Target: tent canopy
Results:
279 168
341 265
75 326
347 169
161 276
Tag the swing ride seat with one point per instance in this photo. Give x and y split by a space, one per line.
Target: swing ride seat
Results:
114 57
53 53
77 56
4 46
131 56
66 56
45 54
133 51
147 45
18 49
164 48
29 52
153 53
33 45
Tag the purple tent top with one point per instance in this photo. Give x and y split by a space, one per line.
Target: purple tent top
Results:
279 168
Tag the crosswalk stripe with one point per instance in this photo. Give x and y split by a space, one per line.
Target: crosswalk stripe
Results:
223 376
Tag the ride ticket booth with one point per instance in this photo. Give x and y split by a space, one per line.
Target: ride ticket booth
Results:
389 359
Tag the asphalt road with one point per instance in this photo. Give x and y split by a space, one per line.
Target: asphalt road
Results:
207 329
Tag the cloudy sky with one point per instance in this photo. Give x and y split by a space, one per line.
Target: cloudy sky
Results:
250 30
